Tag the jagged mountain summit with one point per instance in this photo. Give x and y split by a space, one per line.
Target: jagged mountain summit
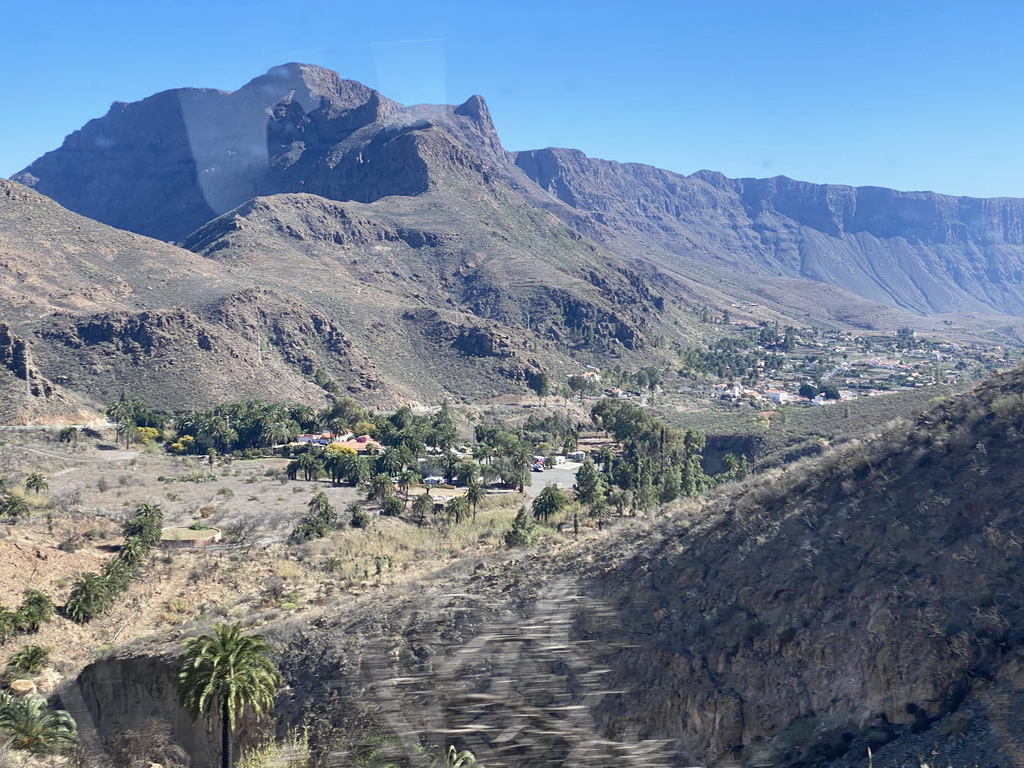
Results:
166 165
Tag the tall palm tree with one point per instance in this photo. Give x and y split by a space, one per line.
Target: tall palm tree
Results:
225 674
449 462
407 478
123 412
30 725
389 461
475 493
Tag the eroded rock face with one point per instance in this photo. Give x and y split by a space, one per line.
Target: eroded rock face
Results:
918 250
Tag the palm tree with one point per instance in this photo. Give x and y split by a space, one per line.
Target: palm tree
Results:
319 506
225 674
134 551
457 509
423 505
35 610
454 759
600 511
475 493
36 482
407 478
389 461
90 596
334 464
123 412
310 465
381 488
549 502
68 435
8 624
15 507
30 725
449 462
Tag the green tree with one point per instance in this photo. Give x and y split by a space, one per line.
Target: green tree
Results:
15 507
381 488
68 435
223 675
450 463
36 483
310 465
390 462
422 506
320 506
600 511
808 390
407 478
523 532
90 596
541 384
475 493
35 610
549 502
123 413
588 482
28 724
457 510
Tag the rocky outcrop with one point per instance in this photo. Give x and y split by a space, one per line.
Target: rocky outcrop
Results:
16 357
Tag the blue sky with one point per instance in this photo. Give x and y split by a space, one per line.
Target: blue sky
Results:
910 94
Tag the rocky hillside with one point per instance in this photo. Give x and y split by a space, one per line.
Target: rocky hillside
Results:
921 251
864 599
300 297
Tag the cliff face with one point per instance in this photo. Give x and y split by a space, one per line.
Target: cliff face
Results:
925 252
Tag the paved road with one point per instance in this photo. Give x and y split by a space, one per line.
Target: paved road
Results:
565 474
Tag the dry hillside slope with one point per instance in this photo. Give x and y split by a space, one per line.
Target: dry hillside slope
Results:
867 598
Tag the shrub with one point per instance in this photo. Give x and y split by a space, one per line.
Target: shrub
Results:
392 507
360 517
68 545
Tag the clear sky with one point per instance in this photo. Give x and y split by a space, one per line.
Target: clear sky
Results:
910 94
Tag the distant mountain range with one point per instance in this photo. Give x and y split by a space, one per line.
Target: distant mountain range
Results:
326 233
